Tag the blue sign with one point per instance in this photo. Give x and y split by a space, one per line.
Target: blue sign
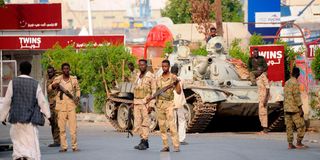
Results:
265 12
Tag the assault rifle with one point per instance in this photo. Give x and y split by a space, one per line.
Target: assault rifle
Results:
68 94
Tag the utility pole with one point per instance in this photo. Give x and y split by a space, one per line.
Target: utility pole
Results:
218 13
89 18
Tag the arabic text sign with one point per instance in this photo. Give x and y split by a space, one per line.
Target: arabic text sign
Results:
46 42
30 16
274 55
267 17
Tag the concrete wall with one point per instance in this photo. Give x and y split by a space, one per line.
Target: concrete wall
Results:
230 30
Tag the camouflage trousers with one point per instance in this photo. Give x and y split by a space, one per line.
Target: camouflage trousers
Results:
165 114
252 77
141 120
291 120
54 124
263 114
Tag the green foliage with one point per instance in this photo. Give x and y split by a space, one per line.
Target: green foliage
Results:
179 11
86 64
290 57
168 48
256 39
2 3
200 52
236 51
315 65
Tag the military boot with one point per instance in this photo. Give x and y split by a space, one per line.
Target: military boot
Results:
144 145
147 143
137 146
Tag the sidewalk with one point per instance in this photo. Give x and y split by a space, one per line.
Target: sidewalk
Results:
91 117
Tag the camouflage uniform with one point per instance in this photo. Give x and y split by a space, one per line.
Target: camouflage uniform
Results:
253 67
54 114
143 88
292 108
134 75
66 109
165 112
263 85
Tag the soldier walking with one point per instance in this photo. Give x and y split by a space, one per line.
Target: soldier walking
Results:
54 115
293 110
66 103
264 91
254 62
165 107
179 102
144 87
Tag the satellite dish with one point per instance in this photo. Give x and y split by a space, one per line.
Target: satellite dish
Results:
165 21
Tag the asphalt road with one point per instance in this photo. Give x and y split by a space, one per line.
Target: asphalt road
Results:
100 141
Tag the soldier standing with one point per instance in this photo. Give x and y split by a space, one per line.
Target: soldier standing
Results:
293 110
133 72
264 91
254 62
144 87
165 107
54 115
66 103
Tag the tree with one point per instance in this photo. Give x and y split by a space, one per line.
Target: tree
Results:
201 10
2 3
87 65
315 65
178 11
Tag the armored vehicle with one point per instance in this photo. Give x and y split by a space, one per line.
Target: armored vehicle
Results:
213 88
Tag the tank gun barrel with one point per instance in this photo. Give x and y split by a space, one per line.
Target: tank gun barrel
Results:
201 68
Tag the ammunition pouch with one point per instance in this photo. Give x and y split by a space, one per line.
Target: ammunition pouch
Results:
141 92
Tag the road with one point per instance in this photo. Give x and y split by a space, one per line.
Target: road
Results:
100 141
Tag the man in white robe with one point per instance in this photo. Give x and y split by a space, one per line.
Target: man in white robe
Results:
24 133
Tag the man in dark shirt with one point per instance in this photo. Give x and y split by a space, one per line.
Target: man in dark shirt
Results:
254 62
213 33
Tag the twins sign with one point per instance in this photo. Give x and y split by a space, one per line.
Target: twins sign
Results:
274 55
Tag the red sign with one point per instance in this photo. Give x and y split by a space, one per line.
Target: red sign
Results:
30 16
274 55
311 48
46 42
157 37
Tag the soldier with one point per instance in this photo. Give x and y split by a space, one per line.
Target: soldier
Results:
165 107
144 87
179 102
293 110
263 90
66 102
213 33
133 72
54 115
254 62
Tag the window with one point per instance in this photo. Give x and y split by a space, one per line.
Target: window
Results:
44 1
70 23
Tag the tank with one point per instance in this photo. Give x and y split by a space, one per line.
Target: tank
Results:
215 90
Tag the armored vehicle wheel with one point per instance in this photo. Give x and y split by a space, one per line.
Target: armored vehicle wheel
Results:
153 120
188 112
122 116
110 109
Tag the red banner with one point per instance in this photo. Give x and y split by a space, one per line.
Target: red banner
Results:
30 17
46 42
274 55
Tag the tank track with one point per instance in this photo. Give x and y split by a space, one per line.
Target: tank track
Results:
203 114
114 122
278 123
